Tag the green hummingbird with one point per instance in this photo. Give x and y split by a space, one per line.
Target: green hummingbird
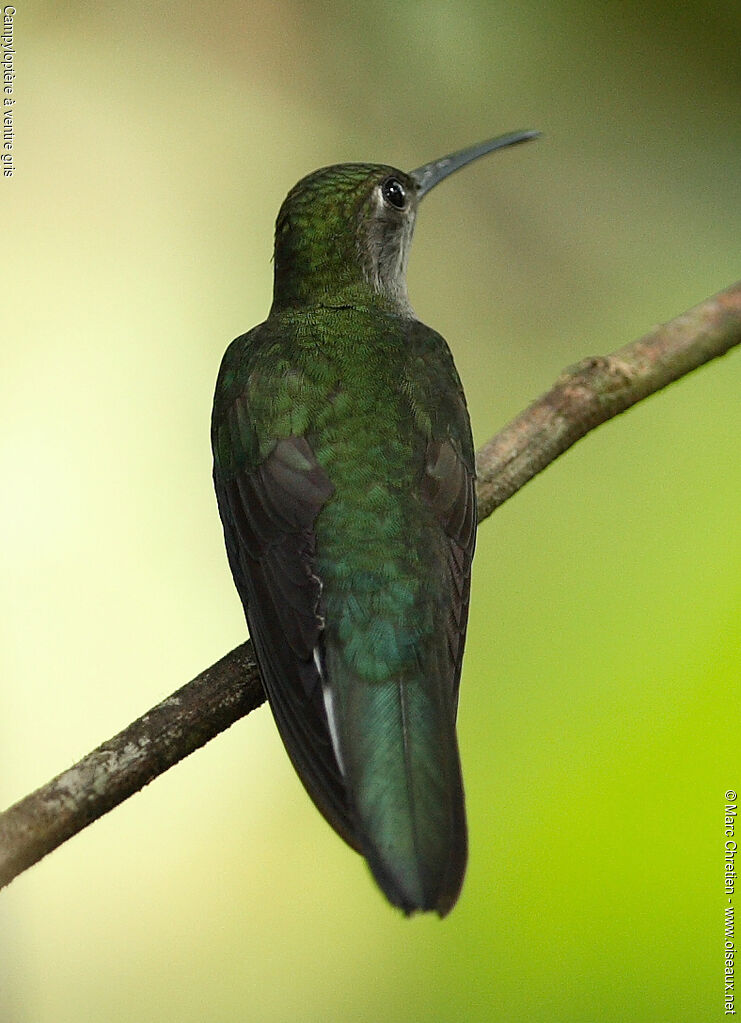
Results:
345 479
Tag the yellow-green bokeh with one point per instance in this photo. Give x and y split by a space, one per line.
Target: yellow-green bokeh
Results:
600 698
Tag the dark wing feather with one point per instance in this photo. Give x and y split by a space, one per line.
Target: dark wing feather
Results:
268 514
449 486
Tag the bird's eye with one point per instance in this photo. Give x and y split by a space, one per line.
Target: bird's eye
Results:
394 193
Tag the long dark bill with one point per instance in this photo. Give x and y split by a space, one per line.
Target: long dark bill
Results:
430 174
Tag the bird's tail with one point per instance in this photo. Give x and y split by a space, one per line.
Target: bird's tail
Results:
399 756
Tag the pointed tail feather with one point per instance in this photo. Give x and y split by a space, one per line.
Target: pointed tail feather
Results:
400 755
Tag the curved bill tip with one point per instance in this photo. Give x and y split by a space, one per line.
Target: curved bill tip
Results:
431 174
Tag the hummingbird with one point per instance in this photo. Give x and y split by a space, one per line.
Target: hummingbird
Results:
345 480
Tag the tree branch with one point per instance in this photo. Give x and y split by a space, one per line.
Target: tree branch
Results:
599 388
583 397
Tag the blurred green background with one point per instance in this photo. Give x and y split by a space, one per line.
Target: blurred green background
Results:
600 697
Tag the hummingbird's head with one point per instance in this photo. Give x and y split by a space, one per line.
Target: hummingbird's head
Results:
343 233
